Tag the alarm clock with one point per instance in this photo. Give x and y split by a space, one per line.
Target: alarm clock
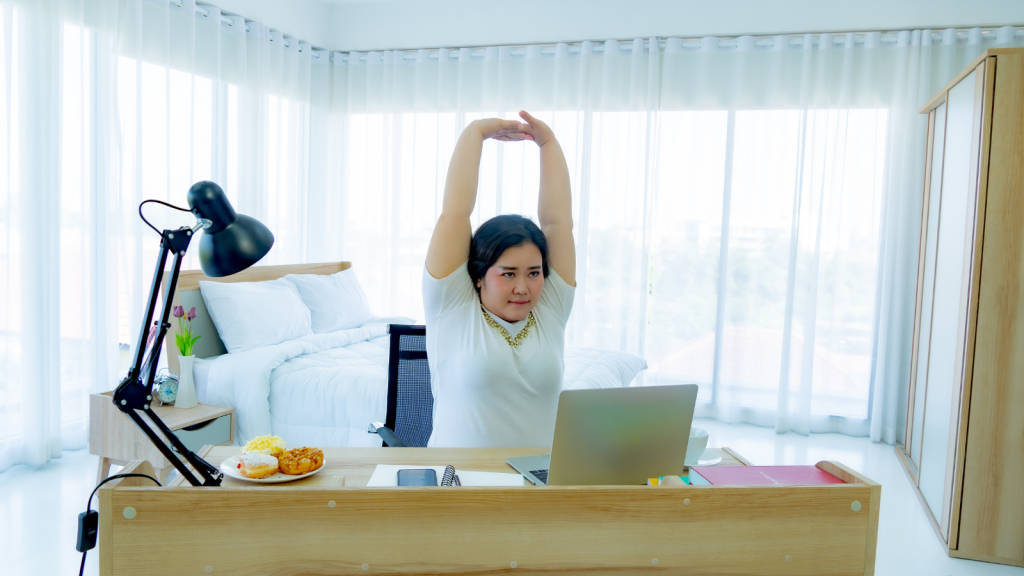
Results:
166 386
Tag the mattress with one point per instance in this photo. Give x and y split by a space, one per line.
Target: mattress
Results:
201 369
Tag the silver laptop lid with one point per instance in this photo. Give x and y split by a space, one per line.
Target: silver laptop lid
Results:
617 436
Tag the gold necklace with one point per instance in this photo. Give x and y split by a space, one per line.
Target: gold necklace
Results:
513 342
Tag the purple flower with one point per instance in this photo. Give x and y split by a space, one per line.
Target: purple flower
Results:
192 313
179 311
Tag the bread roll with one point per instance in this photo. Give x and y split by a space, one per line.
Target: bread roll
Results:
258 465
301 460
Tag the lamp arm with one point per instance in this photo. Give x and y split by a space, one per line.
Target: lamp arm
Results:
150 366
154 292
134 393
184 237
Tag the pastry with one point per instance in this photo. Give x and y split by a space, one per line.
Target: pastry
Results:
271 445
257 465
301 460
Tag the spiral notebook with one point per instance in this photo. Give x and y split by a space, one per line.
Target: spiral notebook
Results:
387 475
450 477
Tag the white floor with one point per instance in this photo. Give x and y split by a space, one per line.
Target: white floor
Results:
40 506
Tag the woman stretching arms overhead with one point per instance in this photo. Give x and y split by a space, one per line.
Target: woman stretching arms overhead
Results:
497 301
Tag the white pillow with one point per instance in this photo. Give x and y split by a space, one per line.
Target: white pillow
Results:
336 302
253 314
593 368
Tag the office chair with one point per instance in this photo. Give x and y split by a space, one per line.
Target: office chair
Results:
410 416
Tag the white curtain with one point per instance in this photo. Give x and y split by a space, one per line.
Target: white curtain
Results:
746 209
58 281
105 103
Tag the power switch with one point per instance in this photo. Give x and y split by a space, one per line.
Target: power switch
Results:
88 523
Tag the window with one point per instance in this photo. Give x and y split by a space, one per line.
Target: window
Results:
783 206
733 189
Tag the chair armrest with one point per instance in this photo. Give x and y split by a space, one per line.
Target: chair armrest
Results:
390 438
386 434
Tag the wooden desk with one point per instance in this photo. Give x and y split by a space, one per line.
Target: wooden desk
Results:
353 467
331 523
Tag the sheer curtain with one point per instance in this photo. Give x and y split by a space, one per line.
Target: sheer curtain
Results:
206 97
400 114
746 210
104 103
58 325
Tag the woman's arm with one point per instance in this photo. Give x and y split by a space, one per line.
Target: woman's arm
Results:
449 245
554 207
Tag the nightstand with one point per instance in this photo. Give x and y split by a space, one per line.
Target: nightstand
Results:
117 440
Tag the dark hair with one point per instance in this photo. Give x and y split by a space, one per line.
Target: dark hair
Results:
498 234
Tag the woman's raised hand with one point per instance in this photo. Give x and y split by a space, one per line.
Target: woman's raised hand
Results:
504 130
540 131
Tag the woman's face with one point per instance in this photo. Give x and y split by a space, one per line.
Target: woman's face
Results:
514 283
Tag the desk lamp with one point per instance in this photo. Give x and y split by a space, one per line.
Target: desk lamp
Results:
231 243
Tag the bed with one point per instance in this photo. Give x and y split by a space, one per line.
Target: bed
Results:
323 389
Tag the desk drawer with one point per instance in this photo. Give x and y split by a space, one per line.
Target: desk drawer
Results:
214 432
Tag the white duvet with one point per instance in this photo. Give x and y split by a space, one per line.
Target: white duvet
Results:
324 389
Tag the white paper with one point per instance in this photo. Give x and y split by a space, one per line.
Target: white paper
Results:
471 478
387 475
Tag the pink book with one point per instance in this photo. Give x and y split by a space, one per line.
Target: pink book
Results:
763 475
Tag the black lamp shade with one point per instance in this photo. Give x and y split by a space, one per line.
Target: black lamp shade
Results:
232 242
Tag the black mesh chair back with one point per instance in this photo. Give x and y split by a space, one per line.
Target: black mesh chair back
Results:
410 400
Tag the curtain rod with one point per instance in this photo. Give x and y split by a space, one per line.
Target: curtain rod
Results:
206 13
626 44
230 21
946 36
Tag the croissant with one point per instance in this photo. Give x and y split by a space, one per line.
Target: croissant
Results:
301 460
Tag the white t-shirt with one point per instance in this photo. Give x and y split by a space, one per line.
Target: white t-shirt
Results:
487 393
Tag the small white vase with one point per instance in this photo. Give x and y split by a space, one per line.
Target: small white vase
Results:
186 386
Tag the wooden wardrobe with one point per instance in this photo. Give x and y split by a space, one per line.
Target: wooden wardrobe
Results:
964 448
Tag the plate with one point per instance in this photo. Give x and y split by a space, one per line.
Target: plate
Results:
230 468
709 458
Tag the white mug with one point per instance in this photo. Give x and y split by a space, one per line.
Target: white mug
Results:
695 446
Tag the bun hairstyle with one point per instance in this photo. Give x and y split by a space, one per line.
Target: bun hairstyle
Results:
498 234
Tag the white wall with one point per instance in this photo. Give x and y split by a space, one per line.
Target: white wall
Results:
381 24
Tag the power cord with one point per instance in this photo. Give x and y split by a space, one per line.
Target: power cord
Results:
88 521
144 202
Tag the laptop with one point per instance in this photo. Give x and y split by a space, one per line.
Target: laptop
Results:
615 436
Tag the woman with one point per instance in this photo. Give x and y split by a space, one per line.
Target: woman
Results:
497 301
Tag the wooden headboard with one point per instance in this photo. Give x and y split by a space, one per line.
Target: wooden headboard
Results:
187 295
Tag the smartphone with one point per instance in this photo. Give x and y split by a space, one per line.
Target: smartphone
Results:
424 477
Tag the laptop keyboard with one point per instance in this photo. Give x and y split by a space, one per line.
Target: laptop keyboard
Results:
541 475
